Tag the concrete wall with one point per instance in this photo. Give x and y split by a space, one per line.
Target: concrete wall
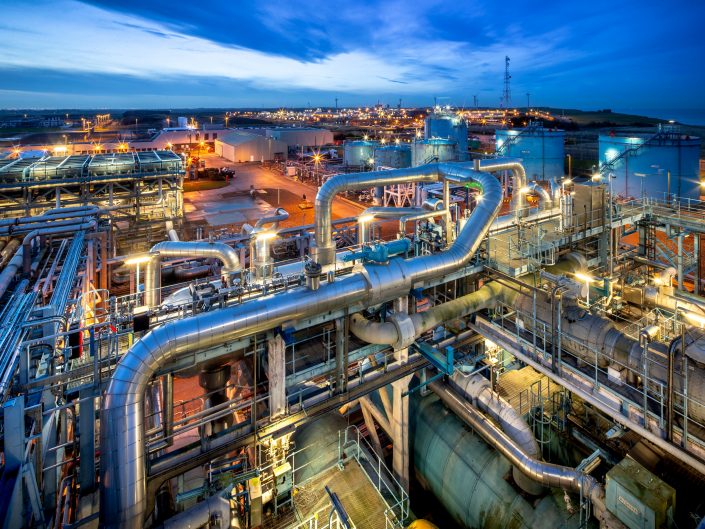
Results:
251 148
302 137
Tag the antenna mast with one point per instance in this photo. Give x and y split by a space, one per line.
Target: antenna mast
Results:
507 95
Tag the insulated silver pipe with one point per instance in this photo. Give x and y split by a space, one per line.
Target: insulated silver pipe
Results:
280 215
52 215
324 250
190 250
544 196
423 214
8 251
547 474
123 464
8 273
215 509
518 174
478 390
171 232
79 225
390 213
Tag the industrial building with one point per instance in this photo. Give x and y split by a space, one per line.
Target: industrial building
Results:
509 355
300 136
241 146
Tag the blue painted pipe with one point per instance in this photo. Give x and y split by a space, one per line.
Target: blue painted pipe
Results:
380 252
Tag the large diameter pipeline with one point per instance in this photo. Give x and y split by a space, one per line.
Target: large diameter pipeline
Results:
477 389
186 249
123 463
467 476
548 474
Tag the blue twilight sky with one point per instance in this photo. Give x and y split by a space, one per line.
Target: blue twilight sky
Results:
626 54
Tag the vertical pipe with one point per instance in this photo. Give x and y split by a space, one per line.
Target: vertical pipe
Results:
679 261
696 253
168 407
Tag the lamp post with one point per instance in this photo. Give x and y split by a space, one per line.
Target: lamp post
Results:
570 165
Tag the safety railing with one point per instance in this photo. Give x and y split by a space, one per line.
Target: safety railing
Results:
649 399
352 444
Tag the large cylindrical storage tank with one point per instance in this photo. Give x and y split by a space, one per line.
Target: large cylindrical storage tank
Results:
434 150
669 161
359 153
393 156
469 477
448 127
541 150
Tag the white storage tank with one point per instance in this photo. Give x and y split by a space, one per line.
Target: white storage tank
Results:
448 127
393 156
541 150
359 153
660 163
433 150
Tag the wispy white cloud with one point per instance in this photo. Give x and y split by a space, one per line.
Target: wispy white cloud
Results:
399 57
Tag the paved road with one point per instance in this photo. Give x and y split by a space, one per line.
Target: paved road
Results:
231 206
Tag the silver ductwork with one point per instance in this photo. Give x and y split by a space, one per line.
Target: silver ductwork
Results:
478 390
123 459
324 251
51 229
545 200
171 232
546 474
280 215
187 250
212 512
518 174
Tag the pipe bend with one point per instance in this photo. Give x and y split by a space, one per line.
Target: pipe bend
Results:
379 333
280 215
544 196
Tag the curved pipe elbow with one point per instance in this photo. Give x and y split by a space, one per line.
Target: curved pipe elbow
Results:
379 333
544 195
280 215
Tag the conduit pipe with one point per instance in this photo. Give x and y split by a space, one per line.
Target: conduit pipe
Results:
188 250
547 474
477 389
8 273
123 460
51 230
545 200
518 174
171 232
280 215
215 509
8 251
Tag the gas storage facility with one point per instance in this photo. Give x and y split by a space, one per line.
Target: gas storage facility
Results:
500 346
661 164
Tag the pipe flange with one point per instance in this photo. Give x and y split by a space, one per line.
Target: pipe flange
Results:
406 331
